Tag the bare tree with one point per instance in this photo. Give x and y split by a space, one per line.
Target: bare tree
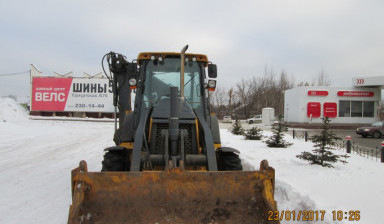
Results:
283 85
323 79
231 100
302 83
243 94
219 101
250 96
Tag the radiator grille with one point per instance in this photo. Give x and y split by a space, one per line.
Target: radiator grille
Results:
159 144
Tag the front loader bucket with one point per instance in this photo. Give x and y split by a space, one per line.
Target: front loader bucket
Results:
172 196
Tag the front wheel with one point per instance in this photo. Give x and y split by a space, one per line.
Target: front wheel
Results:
228 161
116 160
250 122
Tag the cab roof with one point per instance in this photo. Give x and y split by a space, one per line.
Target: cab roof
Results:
147 56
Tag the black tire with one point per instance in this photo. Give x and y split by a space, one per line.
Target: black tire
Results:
377 134
364 135
250 122
116 161
228 161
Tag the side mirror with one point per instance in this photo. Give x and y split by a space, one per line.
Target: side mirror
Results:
212 71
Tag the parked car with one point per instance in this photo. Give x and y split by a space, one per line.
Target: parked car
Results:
255 119
376 130
227 119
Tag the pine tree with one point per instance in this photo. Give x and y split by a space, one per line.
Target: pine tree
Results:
253 134
324 142
277 139
237 129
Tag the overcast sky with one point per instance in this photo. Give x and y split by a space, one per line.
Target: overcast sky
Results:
345 38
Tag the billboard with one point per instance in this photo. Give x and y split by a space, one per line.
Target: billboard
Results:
71 94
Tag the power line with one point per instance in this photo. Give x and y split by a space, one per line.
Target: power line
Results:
16 73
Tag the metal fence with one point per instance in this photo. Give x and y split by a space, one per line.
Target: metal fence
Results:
341 145
364 151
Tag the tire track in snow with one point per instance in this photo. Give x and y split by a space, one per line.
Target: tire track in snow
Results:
35 176
34 152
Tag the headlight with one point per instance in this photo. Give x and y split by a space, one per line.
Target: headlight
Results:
153 57
367 129
212 84
132 82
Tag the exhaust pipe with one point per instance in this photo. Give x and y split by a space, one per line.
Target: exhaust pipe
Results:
174 124
182 72
174 131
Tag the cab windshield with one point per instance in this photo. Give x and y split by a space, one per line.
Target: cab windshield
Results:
160 76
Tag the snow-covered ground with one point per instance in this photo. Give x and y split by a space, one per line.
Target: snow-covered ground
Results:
36 160
357 185
38 155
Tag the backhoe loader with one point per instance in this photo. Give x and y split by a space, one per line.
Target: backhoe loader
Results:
168 165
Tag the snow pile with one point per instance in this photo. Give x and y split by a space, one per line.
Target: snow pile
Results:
357 185
11 111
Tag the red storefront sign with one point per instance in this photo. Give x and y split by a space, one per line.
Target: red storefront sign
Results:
50 94
313 109
317 93
356 93
330 110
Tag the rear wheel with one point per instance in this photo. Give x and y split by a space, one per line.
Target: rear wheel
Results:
250 122
229 161
116 161
377 134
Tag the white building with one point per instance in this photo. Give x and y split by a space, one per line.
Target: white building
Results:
353 105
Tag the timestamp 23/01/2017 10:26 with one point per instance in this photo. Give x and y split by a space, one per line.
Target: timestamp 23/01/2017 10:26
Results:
313 215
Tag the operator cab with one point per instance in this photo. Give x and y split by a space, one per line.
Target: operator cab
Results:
160 71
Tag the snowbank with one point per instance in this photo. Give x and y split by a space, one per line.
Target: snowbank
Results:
11 111
357 185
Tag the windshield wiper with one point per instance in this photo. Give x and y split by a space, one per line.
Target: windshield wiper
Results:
190 80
